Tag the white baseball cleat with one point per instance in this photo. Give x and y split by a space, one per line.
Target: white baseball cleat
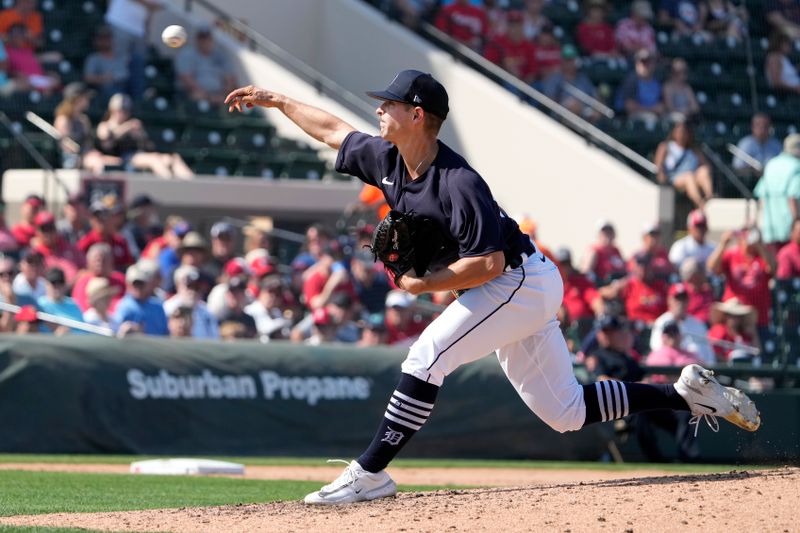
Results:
354 485
708 399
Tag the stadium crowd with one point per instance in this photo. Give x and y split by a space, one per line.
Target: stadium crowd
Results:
112 263
118 266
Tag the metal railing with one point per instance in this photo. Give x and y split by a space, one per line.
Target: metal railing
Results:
52 179
258 42
60 320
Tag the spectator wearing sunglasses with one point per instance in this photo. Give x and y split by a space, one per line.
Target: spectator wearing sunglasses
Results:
56 302
138 307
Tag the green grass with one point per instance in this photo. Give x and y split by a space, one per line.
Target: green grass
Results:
56 492
409 463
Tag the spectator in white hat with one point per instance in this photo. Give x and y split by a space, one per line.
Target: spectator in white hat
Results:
187 286
694 244
138 307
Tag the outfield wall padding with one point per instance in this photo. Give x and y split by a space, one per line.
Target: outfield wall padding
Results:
180 397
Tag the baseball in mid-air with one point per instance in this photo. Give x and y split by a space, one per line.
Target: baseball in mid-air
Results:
174 36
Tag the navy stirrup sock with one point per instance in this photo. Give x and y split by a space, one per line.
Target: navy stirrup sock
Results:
609 400
408 409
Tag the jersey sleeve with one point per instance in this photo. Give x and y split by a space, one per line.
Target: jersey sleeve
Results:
363 156
474 220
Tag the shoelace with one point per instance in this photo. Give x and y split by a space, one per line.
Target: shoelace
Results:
711 420
345 478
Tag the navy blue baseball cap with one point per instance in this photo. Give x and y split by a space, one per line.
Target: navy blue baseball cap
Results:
418 89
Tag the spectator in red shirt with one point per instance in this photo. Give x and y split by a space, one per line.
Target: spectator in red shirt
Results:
747 268
701 295
328 276
464 22
594 34
635 32
57 252
24 230
580 294
644 295
547 52
513 51
98 264
789 255
651 244
604 261
402 327
102 223
23 64
734 324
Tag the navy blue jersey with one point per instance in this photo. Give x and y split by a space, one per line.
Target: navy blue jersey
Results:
450 193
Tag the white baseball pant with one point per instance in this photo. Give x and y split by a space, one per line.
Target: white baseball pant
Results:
513 315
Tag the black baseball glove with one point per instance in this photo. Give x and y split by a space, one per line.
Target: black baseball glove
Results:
403 241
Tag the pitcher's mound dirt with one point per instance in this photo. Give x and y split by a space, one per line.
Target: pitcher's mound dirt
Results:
736 501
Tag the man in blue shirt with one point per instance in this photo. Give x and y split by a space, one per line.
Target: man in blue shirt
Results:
56 302
760 145
640 93
138 306
509 291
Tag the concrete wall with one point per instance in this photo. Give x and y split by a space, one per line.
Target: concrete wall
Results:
533 165
205 198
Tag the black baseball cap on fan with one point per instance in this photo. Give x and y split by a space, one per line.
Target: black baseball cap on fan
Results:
418 89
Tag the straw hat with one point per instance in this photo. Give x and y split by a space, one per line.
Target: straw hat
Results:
192 241
99 288
732 307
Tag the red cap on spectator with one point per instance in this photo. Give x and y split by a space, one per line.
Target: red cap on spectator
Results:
236 267
697 218
34 200
27 313
261 266
43 218
678 289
